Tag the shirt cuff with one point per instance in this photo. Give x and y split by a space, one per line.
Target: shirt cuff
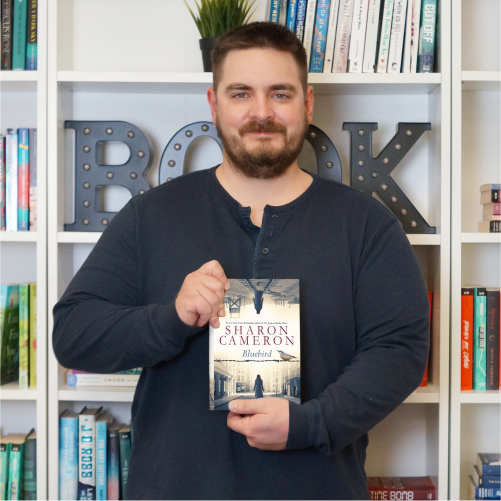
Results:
303 425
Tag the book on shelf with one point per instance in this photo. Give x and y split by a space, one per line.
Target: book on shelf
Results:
490 196
492 340
7 11
282 18
274 11
4 467
489 463
309 26
416 18
124 443
331 35
384 37
23 194
20 23
33 180
343 32
407 49
2 183
491 209
477 492
424 382
33 336
257 344
319 36
397 36
291 15
300 18
11 176
489 227
68 455
76 379
467 298
9 340
489 481
24 336
426 57
372 35
31 41
30 466
357 38
479 321
13 451
416 488
102 423
113 461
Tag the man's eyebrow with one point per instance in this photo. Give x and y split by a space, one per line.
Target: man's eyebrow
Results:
240 86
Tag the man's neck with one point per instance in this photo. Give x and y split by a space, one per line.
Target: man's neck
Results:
257 193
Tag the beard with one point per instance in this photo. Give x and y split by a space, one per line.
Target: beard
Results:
264 161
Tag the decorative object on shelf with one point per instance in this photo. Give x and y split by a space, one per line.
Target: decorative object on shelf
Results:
172 161
91 175
370 174
215 17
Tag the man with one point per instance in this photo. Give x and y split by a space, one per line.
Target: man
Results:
158 275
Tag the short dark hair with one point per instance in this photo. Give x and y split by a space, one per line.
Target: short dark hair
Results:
259 35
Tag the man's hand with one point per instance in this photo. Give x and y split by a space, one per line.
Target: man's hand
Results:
266 423
201 297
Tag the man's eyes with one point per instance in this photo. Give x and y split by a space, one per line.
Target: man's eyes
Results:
241 95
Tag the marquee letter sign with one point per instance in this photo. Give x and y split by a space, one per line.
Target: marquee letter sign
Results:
370 174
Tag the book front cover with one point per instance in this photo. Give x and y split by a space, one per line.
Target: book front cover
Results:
255 352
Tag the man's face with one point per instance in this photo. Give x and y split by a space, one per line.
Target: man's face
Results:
261 113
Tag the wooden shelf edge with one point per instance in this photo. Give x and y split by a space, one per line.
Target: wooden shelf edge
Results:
424 395
480 238
96 393
78 237
11 391
18 76
481 397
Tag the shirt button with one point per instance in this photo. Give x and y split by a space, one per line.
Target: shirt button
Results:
265 250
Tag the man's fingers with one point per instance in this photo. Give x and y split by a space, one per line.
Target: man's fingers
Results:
216 270
212 300
215 285
256 406
238 423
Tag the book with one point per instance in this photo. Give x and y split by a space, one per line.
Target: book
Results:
124 441
477 492
16 461
489 463
416 19
282 18
371 38
24 336
274 11
2 183
466 338
68 455
492 217
319 36
291 15
427 36
30 466
113 462
493 208
102 423
489 227
101 379
301 14
492 340
130 371
397 36
257 345
19 24
342 45
7 34
406 61
31 40
488 196
87 453
4 467
331 36
9 333
23 195
424 382
384 37
489 481
309 26
357 39
490 186
479 321
33 336
401 488
33 180
11 159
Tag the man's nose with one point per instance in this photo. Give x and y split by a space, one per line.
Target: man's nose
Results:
261 108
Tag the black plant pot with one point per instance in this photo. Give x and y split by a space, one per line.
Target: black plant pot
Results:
206 46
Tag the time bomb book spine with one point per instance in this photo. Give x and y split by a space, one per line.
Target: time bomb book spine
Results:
255 352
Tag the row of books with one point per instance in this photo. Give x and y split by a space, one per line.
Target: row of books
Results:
401 488
124 378
485 482
18 466
480 346
490 195
19 34
18 334
94 455
362 36
18 180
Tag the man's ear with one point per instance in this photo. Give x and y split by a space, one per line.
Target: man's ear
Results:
211 97
309 103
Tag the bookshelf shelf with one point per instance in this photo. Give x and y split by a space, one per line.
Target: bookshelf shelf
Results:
18 236
481 397
481 80
480 238
96 394
425 395
18 76
11 391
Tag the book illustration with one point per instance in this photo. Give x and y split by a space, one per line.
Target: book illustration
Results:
255 353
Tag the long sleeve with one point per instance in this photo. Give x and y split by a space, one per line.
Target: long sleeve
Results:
391 311
99 324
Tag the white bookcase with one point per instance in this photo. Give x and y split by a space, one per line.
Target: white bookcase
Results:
23 255
475 258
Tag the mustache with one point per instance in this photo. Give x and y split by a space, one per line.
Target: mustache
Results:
262 127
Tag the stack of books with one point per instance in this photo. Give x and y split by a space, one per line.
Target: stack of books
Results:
401 488
18 180
490 195
362 36
480 307
94 455
18 334
18 466
485 481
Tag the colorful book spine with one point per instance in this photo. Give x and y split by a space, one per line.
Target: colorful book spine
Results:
15 484
397 36
309 26
319 36
341 48
33 180
7 34
406 62
33 335
467 338
4 469
300 19
31 41
479 321
489 196
489 227
11 158
477 492
9 335
291 15
68 455
492 339
492 217
2 183
493 208
102 379
384 40
416 19
357 39
489 463
23 200
274 11
124 437
24 336
371 37
331 36
101 462
30 467
427 36
20 22
113 460
489 481
282 19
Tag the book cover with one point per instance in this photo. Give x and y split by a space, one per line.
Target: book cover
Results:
371 38
466 338
274 11
479 321
488 196
87 453
493 208
31 36
102 423
357 39
384 38
9 334
427 36
319 36
33 180
291 15
331 36
124 440
23 199
406 62
489 481
7 34
101 379
4 467
30 466
492 339
33 336
342 45
489 463
113 462
477 492
300 19
309 26
24 336
2 183
68 455
401 488
11 158
489 227
255 353
19 25
16 461
416 19
397 36
424 382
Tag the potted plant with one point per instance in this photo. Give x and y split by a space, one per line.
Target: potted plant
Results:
215 17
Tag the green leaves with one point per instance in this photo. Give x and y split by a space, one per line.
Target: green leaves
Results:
215 17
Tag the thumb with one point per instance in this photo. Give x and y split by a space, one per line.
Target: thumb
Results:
247 406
